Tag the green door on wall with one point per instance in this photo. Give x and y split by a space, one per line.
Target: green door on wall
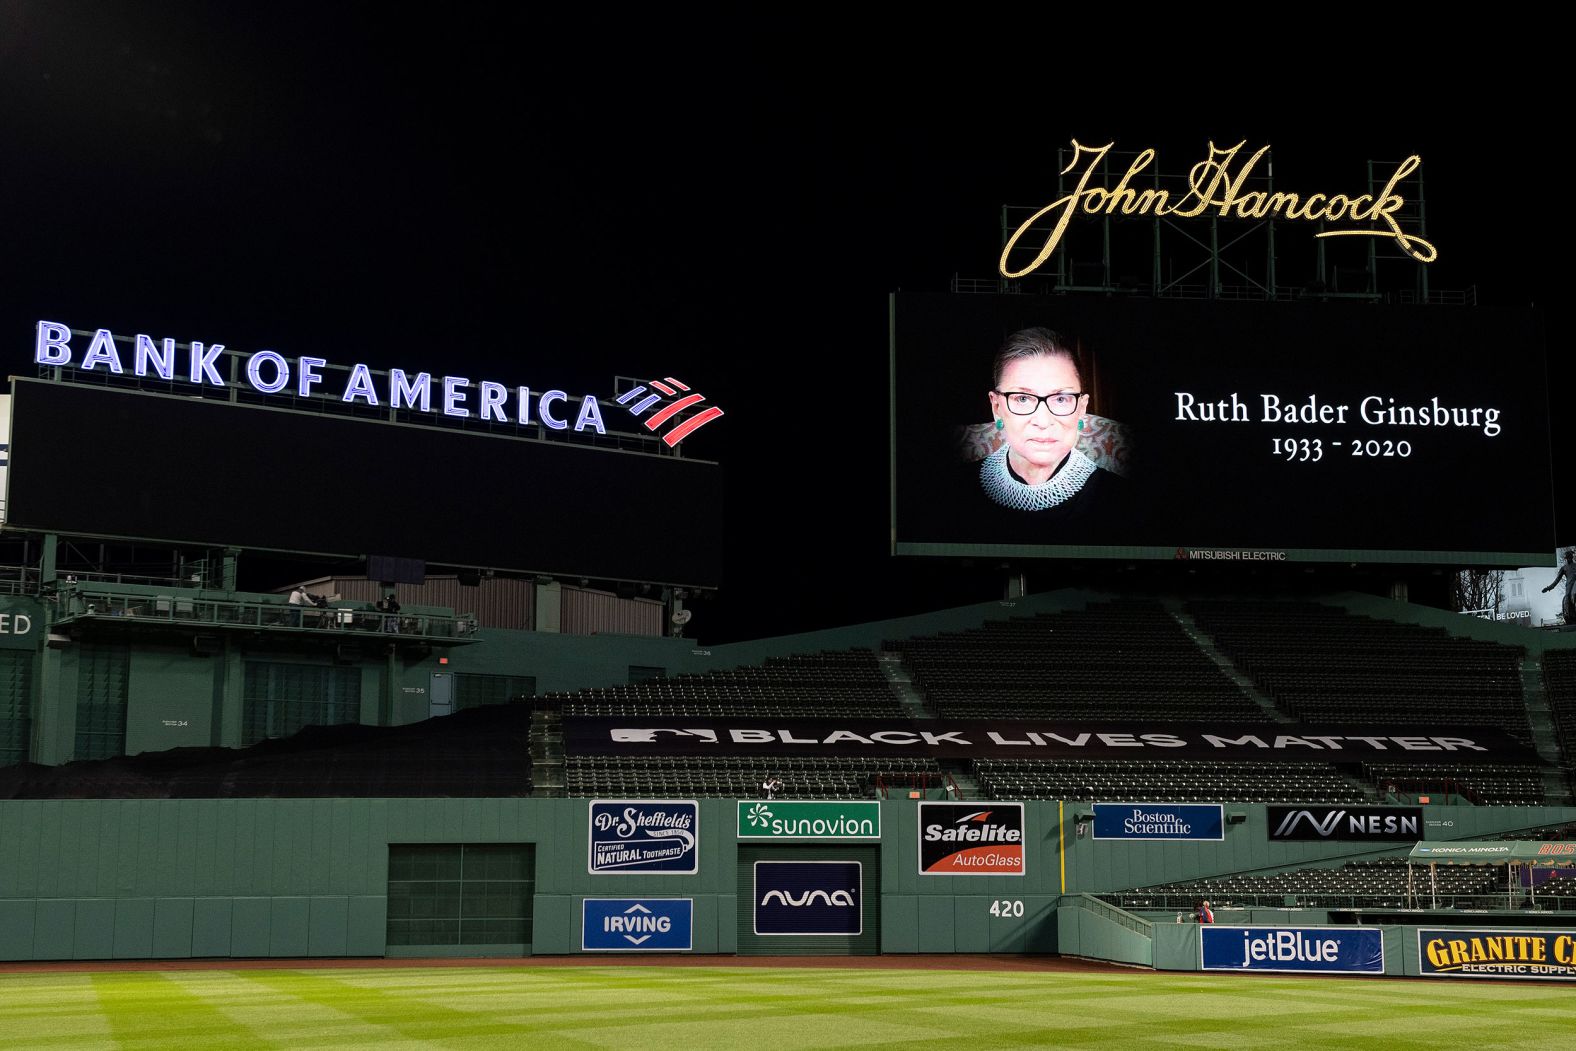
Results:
461 899
804 887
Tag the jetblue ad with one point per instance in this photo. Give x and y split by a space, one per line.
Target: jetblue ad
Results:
1293 950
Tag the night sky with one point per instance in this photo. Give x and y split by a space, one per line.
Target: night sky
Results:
554 200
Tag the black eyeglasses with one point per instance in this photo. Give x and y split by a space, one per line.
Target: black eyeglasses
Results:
1021 403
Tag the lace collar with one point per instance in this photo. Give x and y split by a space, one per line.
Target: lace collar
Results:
1008 490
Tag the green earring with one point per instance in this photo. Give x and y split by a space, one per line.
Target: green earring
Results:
1001 424
1080 425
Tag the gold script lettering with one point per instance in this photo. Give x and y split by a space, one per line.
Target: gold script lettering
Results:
1067 204
1214 183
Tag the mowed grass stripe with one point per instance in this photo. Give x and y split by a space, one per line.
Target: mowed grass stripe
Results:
792 1009
52 1014
287 1018
145 1009
425 1017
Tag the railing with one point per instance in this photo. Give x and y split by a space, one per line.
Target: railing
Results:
132 578
984 285
922 781
1452 789
79 604
1105 910
1421 901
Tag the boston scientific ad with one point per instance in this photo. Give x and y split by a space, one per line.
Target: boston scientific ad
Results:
1218 431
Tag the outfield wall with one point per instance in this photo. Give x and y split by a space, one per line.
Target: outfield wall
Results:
128 879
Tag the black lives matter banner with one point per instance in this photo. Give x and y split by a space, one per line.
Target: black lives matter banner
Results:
1005 739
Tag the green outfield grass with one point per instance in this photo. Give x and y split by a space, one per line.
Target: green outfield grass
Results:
681 1009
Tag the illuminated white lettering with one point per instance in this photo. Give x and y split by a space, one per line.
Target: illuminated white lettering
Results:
590 413
548 418
147 353
493 396
359 385
522 407
102 350
52 345
454 396
411 393
307 375
202 359
254 374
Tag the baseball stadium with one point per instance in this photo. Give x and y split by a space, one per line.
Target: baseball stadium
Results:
360 695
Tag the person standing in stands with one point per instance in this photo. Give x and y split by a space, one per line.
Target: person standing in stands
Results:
1205 913
298 598
390 609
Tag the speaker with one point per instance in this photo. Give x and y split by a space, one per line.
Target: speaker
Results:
206 645
470 578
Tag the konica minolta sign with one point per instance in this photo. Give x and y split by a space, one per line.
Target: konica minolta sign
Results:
1309 950
1159 821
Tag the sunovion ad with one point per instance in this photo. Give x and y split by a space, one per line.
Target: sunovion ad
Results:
636 835
1159 821
1307 950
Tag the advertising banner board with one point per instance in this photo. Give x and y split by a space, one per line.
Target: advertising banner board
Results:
1461 952
1370 824
644 835
971 839
1298 950
1022 739
811 898
809 819
1188 821
637 924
